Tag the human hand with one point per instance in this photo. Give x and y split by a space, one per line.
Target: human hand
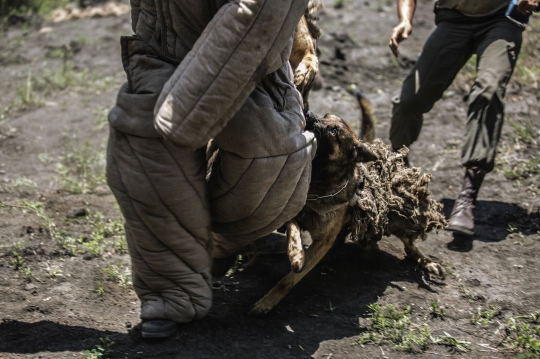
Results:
400 33
526 6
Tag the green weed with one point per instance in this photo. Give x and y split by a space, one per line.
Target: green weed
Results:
120 274
63 240
330 307
523 131
26 94
19 185
100 291
522 334
120 246
103 229
437 310
392 325
523 169
460 346
101 350
485 316
18 261
82 168
53 271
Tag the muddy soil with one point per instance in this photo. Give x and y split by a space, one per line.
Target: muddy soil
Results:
57 300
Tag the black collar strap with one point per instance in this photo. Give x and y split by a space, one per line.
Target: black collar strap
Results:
315 197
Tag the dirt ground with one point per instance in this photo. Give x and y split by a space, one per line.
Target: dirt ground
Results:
64 271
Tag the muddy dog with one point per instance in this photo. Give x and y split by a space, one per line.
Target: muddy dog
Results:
329 214
334 180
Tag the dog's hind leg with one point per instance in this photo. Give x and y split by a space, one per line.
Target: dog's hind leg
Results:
414 254
314 253
295 249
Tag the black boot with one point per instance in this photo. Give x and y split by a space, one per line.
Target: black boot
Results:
462 218
158 328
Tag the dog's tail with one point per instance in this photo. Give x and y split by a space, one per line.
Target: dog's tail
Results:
368 120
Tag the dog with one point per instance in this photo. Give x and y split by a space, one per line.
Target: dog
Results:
334 180
330 214
342 173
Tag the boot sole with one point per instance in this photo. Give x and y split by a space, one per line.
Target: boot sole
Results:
460 230
165 334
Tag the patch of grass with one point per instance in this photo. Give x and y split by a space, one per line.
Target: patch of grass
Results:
457 345
26 94
523 131
103 229
523 169
18 260
82 168
392 325
485 316
63 240
120 274
522 334
53 271
527 69
100 351
100 291
19 185
45 158
120 246
36 88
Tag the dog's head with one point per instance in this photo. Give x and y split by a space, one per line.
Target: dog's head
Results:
336 141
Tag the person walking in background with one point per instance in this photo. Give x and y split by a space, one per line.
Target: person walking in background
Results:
200 70
464 28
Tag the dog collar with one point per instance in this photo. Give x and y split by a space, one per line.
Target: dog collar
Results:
315 197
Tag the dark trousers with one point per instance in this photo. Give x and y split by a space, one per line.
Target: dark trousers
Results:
496 43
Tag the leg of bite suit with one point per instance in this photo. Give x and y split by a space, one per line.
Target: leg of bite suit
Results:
161 190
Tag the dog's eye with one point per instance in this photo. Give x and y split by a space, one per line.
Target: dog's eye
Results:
333 131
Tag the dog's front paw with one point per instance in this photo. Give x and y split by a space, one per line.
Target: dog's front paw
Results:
263 306
297 263
435 268
305 73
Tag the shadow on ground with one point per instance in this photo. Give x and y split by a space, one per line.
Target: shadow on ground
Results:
494 221
333 291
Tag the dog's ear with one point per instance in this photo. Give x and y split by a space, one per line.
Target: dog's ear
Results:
311 120
364 154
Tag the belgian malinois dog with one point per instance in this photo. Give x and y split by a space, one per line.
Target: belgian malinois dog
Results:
334 181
